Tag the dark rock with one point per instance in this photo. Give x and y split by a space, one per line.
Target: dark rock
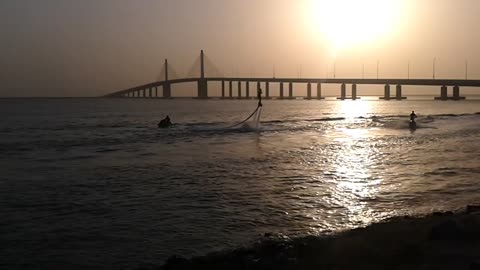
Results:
473 208
475 266
471 226
448 230
175 262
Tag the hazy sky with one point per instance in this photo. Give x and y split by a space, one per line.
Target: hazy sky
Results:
92 47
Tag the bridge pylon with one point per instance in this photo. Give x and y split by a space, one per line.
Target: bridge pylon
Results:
202 84
167 88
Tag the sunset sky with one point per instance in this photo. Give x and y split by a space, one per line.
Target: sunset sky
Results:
92 47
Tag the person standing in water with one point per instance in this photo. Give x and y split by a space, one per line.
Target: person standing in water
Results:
412 117
259 96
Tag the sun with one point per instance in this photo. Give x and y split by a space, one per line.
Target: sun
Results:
346 23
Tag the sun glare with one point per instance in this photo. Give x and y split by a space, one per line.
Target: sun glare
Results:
347 23
354 108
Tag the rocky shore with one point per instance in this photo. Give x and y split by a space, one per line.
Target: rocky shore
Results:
449 240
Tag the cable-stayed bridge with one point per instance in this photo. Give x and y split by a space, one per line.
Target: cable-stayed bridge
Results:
162 88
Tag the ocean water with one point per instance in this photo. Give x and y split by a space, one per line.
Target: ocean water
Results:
94 184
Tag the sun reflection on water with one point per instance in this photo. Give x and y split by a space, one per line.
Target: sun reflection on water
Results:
354 185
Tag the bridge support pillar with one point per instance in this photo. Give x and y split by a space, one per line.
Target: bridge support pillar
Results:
290 90
398 94
259 86
202 88
281 90
239 90
167 90
230 90
386 95
223 89
309 91
456 93
319 91
247 90
343 92
267 90
354 91
144 93
150 92
443 93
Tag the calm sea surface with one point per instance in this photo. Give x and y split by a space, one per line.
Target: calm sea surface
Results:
94 184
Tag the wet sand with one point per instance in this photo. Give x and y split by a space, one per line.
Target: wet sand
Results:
449 240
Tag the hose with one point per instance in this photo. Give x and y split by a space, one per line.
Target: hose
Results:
248 118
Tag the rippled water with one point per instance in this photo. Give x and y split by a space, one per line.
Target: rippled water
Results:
92 183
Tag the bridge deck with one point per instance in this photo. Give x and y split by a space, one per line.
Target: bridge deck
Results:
417 82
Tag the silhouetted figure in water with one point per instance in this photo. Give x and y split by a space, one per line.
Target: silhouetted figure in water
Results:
259 96
412 123
412 117
165 122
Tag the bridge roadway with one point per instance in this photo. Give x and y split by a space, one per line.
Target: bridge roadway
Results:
203 83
